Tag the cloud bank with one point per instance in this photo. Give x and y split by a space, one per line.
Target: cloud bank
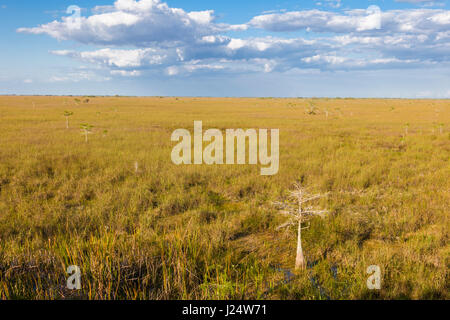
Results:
134 38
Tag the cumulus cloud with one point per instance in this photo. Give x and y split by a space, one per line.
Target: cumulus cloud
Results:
137 23
416 21
78 76
117 58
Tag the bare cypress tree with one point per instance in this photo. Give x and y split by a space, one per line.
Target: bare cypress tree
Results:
86 129
299 212
312 110
67 114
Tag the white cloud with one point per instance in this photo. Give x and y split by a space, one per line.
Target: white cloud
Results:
117 58
136 23
423 2
124 73
77 76
417 21
326 59
330 3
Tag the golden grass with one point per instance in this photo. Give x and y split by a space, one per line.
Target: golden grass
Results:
208 232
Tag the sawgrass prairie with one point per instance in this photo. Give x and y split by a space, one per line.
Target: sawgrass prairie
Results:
140 227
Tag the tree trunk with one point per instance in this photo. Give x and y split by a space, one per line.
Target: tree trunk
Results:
67 123
300 260
86 135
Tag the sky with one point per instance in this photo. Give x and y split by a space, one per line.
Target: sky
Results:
262 48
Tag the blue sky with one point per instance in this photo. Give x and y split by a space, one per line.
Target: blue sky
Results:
332 48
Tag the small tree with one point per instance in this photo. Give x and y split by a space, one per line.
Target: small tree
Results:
299 213
86 129
435 127
67 114
406 128
312 110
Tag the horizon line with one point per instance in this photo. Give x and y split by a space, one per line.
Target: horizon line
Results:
212 97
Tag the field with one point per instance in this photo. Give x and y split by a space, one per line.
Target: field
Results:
140 227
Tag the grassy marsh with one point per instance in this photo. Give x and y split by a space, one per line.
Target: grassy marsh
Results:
208 232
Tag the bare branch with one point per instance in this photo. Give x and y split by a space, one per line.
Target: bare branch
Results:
288 213
285 225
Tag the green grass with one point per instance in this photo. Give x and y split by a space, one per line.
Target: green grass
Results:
208 232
